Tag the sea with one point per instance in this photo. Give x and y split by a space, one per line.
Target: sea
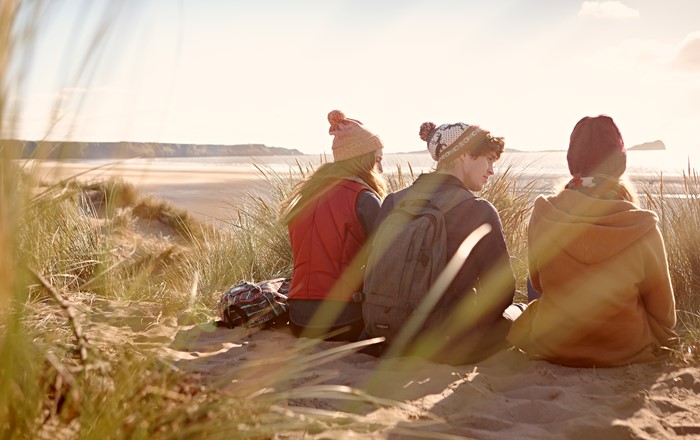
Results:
640 163
653 172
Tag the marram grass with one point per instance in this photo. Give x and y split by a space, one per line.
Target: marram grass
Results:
70 243
68 249
73 249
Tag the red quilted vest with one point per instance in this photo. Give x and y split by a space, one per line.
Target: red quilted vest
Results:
325 238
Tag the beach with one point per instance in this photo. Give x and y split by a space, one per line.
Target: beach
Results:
505 396
208 192
212 188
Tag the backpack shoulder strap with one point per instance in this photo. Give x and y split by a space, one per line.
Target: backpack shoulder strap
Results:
442 200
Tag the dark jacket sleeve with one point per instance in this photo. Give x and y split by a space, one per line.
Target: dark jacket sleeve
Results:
532 263
493 257
367 207
487 270
387 206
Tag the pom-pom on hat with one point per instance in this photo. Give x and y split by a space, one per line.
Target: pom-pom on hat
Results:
450 140
351 138
596 147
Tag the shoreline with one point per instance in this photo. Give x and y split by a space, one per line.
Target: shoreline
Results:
213 192
549 183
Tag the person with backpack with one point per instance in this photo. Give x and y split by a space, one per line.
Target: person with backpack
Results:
329 216
420 229
598 263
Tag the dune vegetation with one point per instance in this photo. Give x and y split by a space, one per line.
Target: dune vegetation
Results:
72 250
81 264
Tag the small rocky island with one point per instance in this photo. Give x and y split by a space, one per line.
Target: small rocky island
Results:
649 146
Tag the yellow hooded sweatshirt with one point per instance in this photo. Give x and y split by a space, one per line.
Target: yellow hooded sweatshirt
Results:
601 267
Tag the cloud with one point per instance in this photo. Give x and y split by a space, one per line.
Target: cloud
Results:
607 10
682 56
688 56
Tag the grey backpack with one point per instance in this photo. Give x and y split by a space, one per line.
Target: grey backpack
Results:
408 252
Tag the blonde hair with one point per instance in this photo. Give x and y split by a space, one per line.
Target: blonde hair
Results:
605 187
326 177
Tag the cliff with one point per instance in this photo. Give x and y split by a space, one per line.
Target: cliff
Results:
124 150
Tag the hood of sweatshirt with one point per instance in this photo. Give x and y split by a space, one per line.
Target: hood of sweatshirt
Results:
588 229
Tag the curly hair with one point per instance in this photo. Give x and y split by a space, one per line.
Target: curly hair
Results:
490 144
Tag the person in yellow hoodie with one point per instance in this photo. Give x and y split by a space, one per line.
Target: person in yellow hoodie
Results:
600 264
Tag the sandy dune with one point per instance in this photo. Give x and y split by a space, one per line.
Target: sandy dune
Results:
507 396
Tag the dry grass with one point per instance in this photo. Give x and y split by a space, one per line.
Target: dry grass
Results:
77 243
680 226
70 249
65 248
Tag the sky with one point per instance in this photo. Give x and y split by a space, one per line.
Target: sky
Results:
269 71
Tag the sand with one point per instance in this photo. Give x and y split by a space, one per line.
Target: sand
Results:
507 396
210 193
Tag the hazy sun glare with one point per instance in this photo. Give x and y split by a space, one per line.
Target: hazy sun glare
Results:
268 72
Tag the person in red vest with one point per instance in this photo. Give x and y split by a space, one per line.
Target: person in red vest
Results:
329 216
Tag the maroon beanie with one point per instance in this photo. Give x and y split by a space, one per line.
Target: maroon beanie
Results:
596 147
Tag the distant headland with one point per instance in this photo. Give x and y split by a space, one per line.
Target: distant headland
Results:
127 150
54 150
